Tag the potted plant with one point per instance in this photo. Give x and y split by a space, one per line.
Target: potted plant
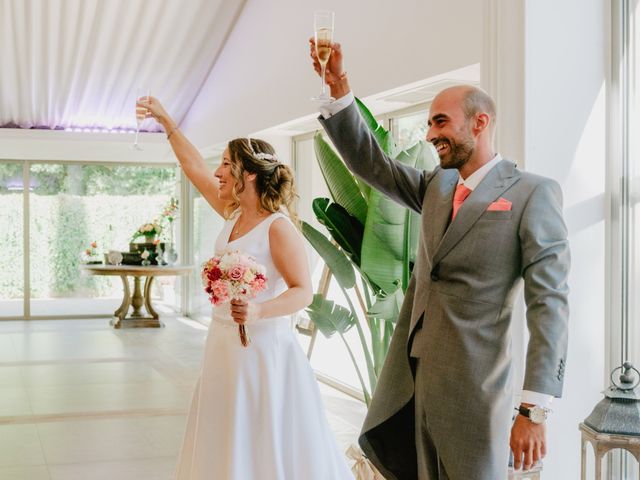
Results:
149 231
371 254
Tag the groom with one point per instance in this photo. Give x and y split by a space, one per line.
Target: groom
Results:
443 406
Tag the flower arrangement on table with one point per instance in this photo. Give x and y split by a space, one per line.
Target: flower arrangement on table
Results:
153 230
148 230
90 254
233 276
170 211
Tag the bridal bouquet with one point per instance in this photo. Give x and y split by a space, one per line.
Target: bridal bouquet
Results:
233 276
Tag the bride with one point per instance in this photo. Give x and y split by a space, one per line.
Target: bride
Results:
256 412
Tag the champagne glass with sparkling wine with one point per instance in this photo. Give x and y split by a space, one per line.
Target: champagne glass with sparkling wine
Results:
141 114
323 26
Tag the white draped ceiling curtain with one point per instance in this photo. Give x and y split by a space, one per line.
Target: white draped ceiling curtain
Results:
79 63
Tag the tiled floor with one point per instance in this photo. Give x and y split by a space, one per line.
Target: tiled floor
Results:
81 401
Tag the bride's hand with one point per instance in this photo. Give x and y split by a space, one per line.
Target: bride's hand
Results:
153 108
243 312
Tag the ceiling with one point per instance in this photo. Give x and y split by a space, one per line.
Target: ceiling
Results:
78 64
71 69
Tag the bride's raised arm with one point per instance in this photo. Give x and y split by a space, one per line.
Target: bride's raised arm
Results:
189 157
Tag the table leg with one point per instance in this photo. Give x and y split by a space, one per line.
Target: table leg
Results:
147 297
583 460
122 310
137 300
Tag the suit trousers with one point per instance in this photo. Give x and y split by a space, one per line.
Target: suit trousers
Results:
443 459
430 465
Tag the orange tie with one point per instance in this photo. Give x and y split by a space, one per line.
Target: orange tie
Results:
459 197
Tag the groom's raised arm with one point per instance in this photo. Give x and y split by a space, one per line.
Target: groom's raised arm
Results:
364 157
357 145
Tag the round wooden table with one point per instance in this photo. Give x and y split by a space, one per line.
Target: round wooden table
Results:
140 297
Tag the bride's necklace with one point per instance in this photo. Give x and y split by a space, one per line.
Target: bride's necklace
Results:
237 228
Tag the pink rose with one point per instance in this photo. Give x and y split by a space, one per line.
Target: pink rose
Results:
237 272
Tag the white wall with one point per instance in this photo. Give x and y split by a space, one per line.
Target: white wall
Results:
264 76
562 102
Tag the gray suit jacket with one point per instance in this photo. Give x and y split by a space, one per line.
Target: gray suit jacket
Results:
456 314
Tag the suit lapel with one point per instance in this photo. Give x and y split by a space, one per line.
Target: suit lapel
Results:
492 186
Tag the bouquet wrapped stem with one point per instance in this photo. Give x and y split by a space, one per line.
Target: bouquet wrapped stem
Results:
233 275
244 338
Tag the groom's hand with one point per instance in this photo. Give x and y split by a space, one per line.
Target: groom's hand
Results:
334 75
528 442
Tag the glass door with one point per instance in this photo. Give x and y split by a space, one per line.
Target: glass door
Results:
78 211
205 226
12 186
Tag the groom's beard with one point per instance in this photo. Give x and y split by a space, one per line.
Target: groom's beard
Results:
460 151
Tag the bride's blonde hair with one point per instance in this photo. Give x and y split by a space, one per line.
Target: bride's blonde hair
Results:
275 183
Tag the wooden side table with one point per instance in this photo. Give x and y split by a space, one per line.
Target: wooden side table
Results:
140 296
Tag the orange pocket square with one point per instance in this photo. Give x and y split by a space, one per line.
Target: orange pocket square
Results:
500 205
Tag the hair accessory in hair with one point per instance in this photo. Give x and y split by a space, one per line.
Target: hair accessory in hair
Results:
261 155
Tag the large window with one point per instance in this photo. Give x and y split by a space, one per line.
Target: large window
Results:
409 128
205 225
69 207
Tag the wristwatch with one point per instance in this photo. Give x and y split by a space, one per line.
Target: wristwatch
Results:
535 414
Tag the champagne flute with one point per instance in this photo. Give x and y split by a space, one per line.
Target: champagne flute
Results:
323 27
141 114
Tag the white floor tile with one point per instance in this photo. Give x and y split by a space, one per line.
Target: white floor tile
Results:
86 441
61 345
106 398
25 473
120 373
7 350
14 401
20 446
164 433
10 377
149 469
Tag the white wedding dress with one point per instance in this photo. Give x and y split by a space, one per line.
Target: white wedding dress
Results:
256 412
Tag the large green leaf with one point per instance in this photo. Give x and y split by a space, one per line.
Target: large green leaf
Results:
381 254
341 183
382 136
389 244
345 229
422 156
387 306
335 258
330 317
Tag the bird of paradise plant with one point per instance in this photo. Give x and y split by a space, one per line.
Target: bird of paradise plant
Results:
371 235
